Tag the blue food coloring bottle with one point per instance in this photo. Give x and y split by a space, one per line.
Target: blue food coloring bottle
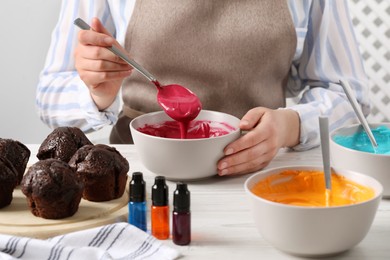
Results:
137 202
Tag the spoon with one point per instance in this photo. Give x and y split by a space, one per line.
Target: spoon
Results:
84 26
178 102
358 112
324 134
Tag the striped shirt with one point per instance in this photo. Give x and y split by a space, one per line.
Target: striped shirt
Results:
326 52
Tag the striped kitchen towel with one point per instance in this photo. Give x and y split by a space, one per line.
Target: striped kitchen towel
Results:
114 241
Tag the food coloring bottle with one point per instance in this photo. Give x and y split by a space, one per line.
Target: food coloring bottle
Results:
137 202
181 215
160 209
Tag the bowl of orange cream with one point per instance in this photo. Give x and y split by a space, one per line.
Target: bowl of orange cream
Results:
295 213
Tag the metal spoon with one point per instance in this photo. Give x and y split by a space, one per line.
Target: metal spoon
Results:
359 113
178 102
324 133
84 26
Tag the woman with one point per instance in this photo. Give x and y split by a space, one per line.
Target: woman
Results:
239 57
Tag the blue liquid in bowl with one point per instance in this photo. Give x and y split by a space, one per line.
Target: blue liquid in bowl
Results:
361 142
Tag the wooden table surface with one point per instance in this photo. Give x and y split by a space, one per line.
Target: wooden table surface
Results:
222 224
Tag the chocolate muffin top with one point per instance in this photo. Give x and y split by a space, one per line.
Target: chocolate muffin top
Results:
49 179
62 143
99 159
8 173
17 153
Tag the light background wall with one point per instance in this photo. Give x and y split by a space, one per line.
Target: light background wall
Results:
25 28
26 25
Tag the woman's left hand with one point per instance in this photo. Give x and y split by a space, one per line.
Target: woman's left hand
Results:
268 131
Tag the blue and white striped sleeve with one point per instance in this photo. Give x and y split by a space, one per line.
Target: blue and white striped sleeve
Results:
62 99
327 51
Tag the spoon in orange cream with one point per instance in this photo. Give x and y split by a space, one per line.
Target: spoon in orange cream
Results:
324 135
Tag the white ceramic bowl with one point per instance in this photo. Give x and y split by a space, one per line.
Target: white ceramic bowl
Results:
375 165
313 231
182 159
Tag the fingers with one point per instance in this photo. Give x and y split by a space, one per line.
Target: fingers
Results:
261 126
97 26
100 69
252 118
244 168
96 53
96 65
103 66
97 36
98 57
247 166
249 160
255 149
95 78
88 37
93 46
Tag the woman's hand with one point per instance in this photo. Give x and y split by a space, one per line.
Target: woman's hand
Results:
100 69
268 130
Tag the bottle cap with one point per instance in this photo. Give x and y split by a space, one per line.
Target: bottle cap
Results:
159 192
181 198
137 188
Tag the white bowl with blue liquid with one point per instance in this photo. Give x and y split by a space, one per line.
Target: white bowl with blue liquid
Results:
351 149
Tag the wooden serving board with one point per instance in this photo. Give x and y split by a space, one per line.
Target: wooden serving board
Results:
17 219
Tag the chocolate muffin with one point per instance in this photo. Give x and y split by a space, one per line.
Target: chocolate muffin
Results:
52 189
17 153
8 181
62 143
103 171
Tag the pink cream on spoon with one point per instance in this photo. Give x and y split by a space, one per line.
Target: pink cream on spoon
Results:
180 104
177 101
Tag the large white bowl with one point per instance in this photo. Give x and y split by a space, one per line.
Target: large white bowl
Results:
182 159
313 231
375 165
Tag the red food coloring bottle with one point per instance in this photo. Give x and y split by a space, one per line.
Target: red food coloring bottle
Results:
181 215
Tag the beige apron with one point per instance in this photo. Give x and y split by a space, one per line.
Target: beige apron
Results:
235 55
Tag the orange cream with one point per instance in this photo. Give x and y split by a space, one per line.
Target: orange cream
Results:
307 188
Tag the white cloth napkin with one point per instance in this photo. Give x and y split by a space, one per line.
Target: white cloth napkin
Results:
114 241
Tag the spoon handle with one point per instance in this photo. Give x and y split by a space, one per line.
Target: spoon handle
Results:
324 133
84 26
358 112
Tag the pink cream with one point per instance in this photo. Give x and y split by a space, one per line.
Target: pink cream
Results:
180 104
196 129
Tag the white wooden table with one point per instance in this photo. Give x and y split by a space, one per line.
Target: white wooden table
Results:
222 224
